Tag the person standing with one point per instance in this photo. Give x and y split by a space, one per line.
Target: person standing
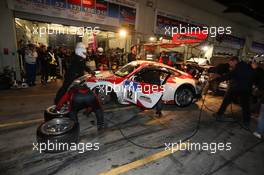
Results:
259 83
52 64
240 86
132 55
60 55
43 60
164 58
76 69
30 64
103 62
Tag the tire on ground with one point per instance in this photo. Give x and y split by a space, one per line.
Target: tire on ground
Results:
48 114
54 142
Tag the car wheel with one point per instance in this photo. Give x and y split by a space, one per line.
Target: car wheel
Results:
104 93
184 96
57 135
51 113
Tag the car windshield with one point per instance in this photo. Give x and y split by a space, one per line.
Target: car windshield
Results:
127 69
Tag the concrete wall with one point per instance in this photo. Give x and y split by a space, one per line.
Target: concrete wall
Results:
7 38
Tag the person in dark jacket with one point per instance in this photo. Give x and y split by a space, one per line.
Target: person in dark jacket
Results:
259 83
217 71
43 60
240 86
132 55
76 69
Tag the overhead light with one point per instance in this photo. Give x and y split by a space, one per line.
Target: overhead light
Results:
152 38
122 33
18 23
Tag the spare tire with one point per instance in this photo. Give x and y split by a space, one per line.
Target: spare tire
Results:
49 113
57 135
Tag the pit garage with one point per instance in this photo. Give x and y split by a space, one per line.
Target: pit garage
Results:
159 112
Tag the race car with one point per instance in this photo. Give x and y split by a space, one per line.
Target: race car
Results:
144 83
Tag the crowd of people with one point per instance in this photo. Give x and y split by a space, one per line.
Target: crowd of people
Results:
50 62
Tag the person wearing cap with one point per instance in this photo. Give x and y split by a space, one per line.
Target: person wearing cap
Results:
81 97
102 60
240 86
75 70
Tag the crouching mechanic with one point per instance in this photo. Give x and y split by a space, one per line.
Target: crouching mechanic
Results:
81 97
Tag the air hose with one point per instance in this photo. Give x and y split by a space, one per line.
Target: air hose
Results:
163 145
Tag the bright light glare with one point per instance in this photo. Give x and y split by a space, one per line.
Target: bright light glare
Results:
122 33
205 48
152 39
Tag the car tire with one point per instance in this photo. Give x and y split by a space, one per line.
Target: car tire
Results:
184 96
46 136
50 114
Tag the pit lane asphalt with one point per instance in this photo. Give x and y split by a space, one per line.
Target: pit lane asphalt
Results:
23 109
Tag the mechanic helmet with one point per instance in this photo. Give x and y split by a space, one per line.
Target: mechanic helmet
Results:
100 50
80 50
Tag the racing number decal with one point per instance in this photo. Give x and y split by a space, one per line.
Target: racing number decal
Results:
129 94
130 91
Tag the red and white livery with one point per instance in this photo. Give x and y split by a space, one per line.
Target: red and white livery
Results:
144 83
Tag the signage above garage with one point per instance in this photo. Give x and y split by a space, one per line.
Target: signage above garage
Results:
92 11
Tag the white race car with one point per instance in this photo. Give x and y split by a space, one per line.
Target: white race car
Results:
144 83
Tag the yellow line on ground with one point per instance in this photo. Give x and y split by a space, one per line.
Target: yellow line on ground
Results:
119 109
20 123
25 96
40 120
141 162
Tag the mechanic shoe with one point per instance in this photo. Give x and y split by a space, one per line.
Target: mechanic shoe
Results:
87 114
258 135
158 114
92 122
101 129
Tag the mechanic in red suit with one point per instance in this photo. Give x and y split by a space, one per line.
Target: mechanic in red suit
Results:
81 97
165 59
